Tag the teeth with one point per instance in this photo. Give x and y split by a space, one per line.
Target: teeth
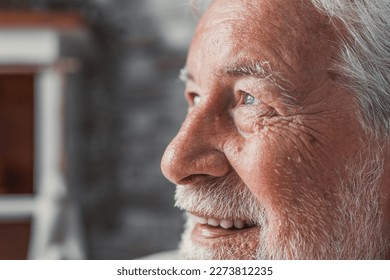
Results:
213 222
226 224
200 220
239 224
250 224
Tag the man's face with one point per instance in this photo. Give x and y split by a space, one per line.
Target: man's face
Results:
268 158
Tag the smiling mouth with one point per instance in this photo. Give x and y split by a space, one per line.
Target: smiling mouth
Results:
211 228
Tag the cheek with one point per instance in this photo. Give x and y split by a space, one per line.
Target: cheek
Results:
279 168
258 164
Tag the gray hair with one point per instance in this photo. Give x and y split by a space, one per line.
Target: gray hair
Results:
364 60
365 57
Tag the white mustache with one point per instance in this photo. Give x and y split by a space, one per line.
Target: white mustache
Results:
222 198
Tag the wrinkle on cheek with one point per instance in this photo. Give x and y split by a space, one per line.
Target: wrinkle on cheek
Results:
281 154
297 163
250 121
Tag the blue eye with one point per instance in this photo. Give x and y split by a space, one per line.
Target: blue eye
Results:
250 100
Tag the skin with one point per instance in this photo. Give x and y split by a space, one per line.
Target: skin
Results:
292 143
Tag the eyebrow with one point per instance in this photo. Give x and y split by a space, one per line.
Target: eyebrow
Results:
259 69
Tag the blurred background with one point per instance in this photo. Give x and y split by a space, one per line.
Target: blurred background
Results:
89 99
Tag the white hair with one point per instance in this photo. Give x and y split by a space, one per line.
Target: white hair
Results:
365 57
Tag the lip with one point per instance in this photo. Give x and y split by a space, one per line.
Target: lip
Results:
240 243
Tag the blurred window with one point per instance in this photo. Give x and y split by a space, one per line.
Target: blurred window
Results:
16 133
14 240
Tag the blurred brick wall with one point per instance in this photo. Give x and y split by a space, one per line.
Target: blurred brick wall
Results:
123 109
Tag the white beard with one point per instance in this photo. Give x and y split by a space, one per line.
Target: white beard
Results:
355 233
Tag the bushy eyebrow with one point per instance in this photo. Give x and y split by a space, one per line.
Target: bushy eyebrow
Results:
260 69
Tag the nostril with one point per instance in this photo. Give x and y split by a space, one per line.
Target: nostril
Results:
192 179
189 160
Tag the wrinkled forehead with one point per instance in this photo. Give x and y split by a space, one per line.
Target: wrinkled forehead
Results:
279 11
291 35
248 19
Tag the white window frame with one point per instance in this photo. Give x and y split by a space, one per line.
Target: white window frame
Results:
40 48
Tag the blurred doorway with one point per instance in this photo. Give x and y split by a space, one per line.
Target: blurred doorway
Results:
38 219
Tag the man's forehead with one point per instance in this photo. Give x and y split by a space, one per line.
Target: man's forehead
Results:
240 43
264 17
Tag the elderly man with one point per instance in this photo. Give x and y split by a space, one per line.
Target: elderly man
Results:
284 153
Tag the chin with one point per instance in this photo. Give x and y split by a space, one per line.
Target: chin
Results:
355 233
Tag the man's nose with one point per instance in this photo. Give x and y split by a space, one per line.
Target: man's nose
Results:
196 152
